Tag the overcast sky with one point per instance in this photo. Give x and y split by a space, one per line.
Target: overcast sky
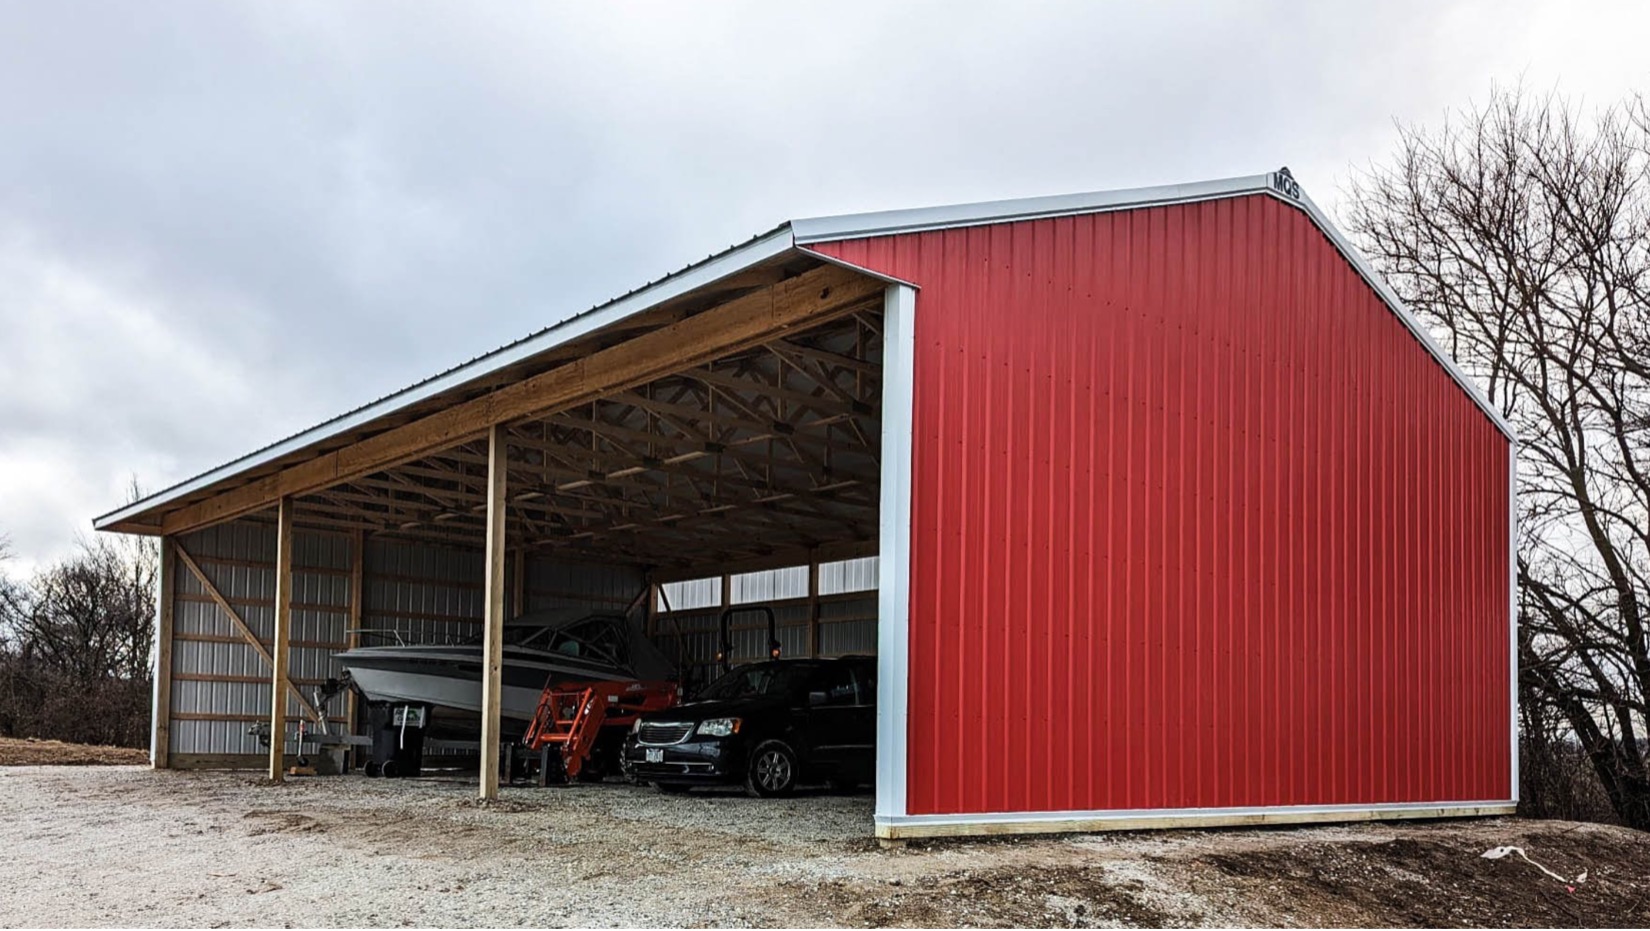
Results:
222 223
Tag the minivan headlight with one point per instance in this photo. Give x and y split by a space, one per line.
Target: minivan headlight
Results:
719 727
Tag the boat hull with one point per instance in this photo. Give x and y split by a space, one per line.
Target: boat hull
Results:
448 679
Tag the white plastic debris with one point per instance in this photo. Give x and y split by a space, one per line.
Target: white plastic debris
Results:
1496 853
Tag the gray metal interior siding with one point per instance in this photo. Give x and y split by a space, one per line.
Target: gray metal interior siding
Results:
847 615
239 559
555 584
423 593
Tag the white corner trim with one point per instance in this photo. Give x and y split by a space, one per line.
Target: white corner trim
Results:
1398 308
868 272
1055 822
894 593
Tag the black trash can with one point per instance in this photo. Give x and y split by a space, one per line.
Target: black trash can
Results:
397 739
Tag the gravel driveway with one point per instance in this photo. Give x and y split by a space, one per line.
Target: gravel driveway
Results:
129 847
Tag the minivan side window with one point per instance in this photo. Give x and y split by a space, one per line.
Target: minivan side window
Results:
837 682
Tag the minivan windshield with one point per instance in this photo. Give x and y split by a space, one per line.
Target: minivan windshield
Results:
759 679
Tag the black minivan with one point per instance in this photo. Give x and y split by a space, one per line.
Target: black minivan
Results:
766 726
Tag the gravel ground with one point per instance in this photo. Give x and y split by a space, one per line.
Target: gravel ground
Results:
123 846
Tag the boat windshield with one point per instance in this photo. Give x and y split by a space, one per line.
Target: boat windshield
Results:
597 638
758 679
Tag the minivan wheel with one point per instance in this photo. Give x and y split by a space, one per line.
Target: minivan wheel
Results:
772 770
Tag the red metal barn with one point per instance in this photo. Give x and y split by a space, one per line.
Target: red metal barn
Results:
1201 526
1177 517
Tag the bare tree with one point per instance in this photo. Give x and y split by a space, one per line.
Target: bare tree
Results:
1521 232
92 616
76 642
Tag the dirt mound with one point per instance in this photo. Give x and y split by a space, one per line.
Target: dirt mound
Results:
1061 897
1434 879
28 751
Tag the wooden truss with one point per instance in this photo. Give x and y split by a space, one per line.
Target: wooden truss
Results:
769 450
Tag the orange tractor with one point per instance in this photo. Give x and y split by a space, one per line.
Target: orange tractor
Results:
578 726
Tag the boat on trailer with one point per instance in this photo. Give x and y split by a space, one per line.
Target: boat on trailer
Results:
547 647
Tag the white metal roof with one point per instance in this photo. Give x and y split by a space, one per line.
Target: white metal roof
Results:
800 233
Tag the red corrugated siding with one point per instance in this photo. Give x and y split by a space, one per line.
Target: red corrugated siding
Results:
1196 523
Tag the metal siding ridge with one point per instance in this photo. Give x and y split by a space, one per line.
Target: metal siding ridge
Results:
727 263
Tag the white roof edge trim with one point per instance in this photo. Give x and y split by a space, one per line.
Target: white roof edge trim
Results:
868 272
1279 184
890 222
728 263
1401 311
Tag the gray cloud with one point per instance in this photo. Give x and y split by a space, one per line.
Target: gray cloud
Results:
222 223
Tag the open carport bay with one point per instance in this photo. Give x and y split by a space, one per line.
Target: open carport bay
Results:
126 847
717 447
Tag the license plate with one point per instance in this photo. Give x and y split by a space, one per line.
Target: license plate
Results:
655 755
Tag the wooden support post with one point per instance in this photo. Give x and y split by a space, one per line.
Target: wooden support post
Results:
651 614
518 583
813 606
493 613
283 635
357 612
160 734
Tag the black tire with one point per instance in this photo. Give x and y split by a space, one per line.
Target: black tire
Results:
389 770
670 788
772 770
373 770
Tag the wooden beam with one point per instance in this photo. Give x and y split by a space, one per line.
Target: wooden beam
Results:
745 322
237 622
493 598
278 683
160 737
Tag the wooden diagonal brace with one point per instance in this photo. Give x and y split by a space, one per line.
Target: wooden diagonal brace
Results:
240 625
